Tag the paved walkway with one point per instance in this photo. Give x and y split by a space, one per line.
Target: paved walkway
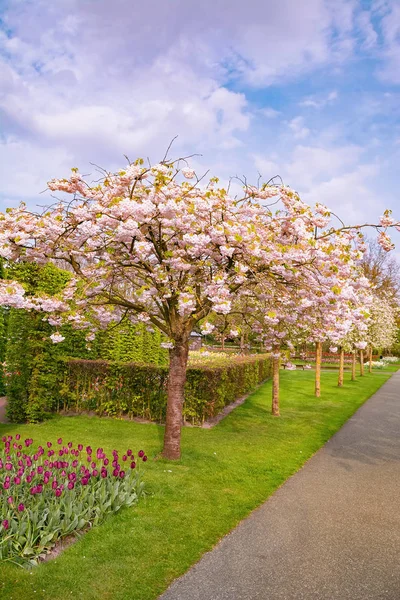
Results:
331 532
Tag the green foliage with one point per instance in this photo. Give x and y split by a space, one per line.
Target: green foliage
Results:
30 374
139 390
3 343
235 467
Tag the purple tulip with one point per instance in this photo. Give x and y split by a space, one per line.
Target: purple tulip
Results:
54 485
74 463
104 473
69 444
5 524
80 447
39 488
124 457
59 441
141 453
115 472
71 485
84 481
8 466
21 507
133 464
49 444
122 474
18 437
40 470
17 480
6 485
95 472
10 499
129 452
105 462
58 492
144 458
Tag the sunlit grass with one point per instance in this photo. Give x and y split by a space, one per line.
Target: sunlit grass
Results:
224 473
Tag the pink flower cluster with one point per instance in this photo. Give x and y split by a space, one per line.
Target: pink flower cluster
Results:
57 468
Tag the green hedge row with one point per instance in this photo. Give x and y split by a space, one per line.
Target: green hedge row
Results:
29 354
137 390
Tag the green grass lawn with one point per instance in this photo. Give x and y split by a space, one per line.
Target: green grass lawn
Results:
224 474
389 368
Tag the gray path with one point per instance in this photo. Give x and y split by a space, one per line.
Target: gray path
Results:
331 532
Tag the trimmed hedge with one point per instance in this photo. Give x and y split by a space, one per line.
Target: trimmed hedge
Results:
138 390
29 354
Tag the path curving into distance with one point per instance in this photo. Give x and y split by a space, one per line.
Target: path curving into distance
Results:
331 532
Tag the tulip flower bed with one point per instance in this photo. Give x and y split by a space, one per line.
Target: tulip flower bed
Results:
56 491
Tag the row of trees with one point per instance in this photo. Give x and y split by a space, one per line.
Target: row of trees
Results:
155 246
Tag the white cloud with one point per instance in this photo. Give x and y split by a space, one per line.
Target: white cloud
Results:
300 131
333 176
366 29
93 80
269 113
320 101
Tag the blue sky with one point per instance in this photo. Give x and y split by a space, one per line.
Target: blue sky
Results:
308 90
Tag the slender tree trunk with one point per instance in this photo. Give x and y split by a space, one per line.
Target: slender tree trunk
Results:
275 383
361 362
341 367
318 360
178 357
370 359
353 366
241 344
223 343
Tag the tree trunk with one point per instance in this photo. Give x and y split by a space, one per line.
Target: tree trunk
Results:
370 360
318 359
353 367
361 362
275 383
178 357
341 367
242 344
223 343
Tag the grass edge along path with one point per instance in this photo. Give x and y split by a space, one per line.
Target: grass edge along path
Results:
224 474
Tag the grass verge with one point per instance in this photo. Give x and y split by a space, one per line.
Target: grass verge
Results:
224 474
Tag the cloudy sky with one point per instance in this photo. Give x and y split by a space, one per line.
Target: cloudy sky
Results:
307 89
